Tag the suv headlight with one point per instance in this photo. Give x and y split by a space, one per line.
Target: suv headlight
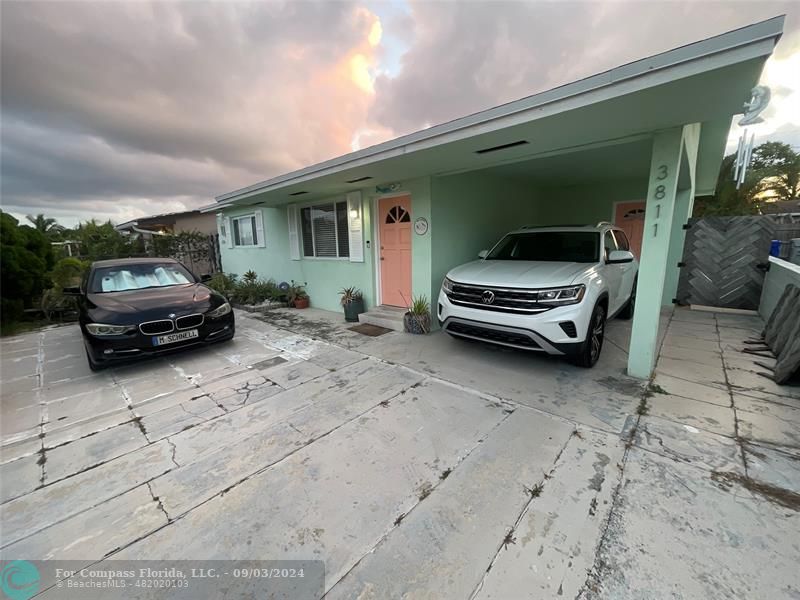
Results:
101 329
222 310
561 296
447 285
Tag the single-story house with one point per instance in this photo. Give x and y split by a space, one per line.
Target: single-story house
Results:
633 145
176 222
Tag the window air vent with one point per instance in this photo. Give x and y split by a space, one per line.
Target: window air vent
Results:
501 147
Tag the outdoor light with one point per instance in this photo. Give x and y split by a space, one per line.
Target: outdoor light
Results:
353 213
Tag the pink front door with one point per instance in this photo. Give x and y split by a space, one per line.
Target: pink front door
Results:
395 255
629 216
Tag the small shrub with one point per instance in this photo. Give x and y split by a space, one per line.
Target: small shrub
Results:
224 283
250 277
351 294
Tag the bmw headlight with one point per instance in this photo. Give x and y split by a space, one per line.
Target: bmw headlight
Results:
447 286
101 329
562 296
222 310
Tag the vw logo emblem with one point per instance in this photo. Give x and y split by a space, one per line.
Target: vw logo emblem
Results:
487 297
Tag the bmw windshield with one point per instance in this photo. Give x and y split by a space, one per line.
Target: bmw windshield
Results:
141 276
550 246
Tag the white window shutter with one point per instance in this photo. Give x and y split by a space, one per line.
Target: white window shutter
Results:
260 240
294 235
355 218
228 241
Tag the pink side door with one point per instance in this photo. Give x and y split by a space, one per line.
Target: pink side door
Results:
629 216
395 250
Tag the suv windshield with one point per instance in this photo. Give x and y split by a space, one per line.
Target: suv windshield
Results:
138 277
554 246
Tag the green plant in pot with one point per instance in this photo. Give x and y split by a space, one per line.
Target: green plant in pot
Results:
418 316
296 295
353 303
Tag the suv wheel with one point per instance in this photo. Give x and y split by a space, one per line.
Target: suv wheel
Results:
627 312
593 344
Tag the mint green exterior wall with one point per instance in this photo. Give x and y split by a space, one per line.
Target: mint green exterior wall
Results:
588 203
471 212
324 277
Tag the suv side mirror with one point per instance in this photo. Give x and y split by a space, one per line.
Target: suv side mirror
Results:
204 278
616 257
71 291
483 254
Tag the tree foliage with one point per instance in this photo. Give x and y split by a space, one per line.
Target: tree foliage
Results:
774 174
46 225
25 259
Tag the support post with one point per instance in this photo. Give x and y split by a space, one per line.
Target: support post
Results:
684 205
658 222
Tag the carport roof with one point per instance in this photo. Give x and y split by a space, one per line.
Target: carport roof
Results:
706 81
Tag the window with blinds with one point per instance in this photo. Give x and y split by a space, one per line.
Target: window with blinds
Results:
324 230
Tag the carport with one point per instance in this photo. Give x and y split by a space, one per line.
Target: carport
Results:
640 140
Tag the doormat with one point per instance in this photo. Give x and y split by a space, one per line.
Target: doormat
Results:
370 330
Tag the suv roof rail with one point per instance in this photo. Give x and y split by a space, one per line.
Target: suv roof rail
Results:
554 225
605 224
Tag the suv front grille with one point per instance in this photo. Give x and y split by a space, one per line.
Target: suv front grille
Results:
493 335
507 300
189 321
156 327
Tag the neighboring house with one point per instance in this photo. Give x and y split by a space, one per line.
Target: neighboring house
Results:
787 211
634 145
190 220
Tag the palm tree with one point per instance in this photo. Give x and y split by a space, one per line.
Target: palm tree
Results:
46 225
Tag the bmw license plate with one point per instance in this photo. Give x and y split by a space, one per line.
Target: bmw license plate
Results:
171 338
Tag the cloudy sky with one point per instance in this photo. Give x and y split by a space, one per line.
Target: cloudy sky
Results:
120 109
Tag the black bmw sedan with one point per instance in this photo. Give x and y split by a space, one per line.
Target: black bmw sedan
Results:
143 306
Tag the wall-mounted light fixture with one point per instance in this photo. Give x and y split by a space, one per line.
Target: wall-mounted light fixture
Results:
353 213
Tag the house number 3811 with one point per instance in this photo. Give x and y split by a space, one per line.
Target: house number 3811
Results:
661 190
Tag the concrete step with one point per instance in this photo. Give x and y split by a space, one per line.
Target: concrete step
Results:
389 317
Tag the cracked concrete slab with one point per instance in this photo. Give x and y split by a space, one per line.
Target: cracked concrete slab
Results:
688 444
92 534
375 466
86 452
715 394
53 503
19 477
678 534
557 536
390 447
449 539
699 414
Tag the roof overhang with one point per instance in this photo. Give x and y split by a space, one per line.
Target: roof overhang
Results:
704 82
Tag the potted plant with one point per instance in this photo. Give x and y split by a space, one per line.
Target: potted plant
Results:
418 316
297 296
353 303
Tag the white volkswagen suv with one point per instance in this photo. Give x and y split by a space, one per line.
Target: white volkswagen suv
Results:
548 289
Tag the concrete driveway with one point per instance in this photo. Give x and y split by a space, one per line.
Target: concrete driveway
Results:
419 467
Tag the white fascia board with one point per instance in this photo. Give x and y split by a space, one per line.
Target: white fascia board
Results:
727 49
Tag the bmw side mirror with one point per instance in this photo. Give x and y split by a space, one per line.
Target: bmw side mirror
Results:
71 291
483 254
204 278
616 257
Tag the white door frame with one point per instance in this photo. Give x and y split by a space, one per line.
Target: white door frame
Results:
376 236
